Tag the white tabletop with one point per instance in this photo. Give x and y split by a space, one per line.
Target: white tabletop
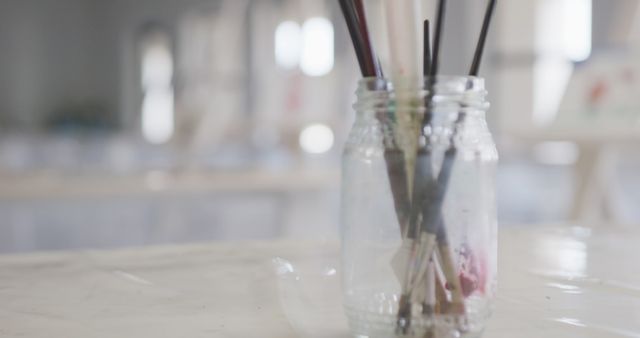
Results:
554 282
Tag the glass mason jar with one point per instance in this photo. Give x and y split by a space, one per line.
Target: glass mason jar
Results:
419 229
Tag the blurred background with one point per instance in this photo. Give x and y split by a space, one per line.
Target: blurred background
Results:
137 122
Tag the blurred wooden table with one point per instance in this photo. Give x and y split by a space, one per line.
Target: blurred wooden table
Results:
554 282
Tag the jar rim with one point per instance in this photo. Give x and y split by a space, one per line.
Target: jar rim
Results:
468 83
440 91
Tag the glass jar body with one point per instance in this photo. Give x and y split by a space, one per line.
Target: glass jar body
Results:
449 161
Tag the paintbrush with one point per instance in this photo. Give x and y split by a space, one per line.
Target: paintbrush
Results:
355 17
432 215
424 242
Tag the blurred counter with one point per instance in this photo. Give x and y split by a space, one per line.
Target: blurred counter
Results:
60 186
553 282
68 192
63 212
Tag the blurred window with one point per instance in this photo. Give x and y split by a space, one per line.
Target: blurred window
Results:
310 47
288 44
156 78
564 33
317 47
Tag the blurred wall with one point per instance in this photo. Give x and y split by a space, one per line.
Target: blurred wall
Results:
55 53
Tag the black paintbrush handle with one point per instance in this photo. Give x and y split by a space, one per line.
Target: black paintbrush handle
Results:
426 50
477 56
351 19
371 61
435 60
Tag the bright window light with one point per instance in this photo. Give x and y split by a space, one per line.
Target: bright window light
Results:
316 139
551 77
317 47
563 36
157 115
577 28
157 66
288 44
158 102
